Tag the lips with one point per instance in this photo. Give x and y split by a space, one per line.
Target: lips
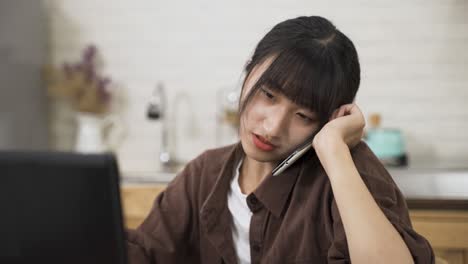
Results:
261 143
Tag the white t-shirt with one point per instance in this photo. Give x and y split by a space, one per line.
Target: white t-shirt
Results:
241 214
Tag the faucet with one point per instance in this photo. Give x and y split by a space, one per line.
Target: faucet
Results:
157 110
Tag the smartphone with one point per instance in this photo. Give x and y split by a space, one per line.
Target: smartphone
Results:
299 152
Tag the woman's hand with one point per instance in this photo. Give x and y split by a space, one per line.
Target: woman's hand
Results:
346 126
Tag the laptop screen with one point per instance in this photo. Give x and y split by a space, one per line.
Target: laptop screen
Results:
60 208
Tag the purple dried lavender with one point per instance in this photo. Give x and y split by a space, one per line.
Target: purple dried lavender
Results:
87 63
88 68
88 54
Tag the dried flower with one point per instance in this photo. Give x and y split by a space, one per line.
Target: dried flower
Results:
80 82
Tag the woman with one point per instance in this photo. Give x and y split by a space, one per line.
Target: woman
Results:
336 204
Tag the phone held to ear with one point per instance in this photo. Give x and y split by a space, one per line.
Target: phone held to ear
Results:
299 152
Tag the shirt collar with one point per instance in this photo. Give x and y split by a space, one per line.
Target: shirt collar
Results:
273 192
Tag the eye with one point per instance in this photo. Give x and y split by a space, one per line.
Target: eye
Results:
267 93
305 118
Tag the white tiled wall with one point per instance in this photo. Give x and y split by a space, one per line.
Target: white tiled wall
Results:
413 57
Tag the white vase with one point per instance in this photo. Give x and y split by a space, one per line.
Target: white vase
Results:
94 132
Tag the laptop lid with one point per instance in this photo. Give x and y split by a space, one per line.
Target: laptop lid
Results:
60 208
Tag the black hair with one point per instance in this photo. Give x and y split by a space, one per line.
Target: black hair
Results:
314 65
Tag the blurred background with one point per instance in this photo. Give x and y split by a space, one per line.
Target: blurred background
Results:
157 83
163 76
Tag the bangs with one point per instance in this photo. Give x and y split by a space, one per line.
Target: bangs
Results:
310 82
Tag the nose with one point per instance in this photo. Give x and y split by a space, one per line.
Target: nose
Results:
275 123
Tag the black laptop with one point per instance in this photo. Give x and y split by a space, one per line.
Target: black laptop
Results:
60 208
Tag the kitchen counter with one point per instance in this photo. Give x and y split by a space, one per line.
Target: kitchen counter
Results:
433 188
147 177
424 187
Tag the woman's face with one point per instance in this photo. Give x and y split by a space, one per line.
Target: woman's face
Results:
272 126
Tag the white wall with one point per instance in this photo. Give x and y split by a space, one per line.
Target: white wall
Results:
413 57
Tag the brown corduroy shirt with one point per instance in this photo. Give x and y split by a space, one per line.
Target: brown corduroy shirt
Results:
295 216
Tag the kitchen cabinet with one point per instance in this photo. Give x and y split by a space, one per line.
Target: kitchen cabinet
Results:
137 201
446 229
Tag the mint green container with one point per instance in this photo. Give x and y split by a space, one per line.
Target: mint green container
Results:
385 143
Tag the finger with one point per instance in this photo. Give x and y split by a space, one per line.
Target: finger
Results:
346 109
333 116
341 111
352 109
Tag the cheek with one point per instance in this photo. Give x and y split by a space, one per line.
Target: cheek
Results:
301 134
253 113
245 122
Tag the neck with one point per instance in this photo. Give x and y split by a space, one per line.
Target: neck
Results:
252 173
